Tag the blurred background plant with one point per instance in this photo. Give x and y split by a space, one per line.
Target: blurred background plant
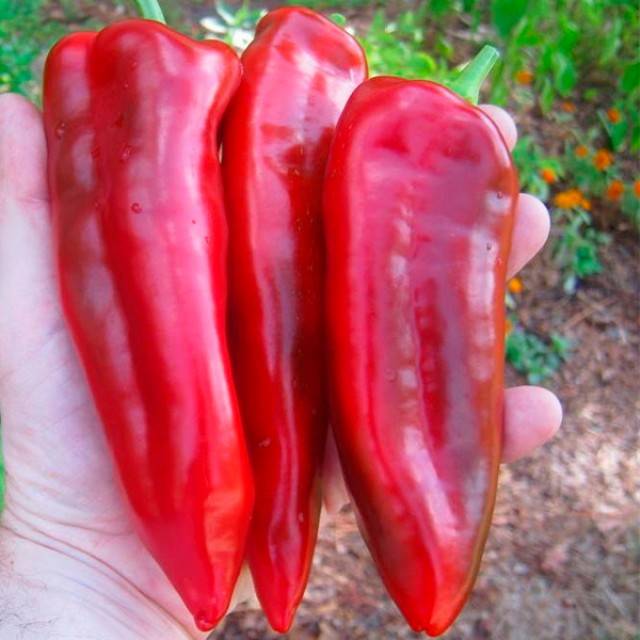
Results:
570 75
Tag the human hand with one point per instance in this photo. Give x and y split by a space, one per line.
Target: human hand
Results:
68 550
66 532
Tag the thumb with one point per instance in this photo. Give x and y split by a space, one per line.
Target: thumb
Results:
28 293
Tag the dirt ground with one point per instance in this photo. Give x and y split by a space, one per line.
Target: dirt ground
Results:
563 557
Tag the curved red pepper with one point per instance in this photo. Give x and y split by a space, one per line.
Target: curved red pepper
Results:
131 116
419 202
298 74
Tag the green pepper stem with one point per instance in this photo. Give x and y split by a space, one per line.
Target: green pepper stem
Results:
468 83
151 10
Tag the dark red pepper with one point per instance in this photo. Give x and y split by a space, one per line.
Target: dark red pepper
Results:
298 74
419 203
131 117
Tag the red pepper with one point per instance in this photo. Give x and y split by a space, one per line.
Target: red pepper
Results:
131 117
298 74
419 202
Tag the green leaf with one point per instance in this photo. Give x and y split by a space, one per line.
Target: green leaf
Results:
618 135
630 80
635 138
611 41
506 14
440 7
547 95
534 357
444 48
569 37
425 63
591 95
338 19
529 36
564 73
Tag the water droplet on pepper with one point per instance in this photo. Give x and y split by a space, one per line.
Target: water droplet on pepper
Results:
126 153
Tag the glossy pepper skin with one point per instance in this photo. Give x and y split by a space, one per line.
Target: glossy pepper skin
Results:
298 74
131 116
419 202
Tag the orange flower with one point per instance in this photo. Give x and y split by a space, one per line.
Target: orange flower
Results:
515 285
569 199
603 159
615 190
581 151
585 203
636 188
568 107
524 77
614 115
508 327
548 175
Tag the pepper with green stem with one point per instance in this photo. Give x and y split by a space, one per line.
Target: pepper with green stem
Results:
419 201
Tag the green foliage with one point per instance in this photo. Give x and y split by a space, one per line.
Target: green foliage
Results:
631 208
530 159
397 47
534 357
24 36
235 26
576 247
506 14
575 241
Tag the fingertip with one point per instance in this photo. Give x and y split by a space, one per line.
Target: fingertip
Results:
505 123
531 230
334 491
534 208
244 592
532 417
550 409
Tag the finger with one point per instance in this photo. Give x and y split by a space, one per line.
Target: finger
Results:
27 283
244 593
532 415
504 122
22 151
530 232
334 490
532 223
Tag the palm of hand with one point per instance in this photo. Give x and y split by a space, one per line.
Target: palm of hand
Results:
61 486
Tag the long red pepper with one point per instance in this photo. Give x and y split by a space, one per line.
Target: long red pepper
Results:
298 74
131 117
419 202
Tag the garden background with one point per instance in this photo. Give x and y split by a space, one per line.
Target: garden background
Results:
564 553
